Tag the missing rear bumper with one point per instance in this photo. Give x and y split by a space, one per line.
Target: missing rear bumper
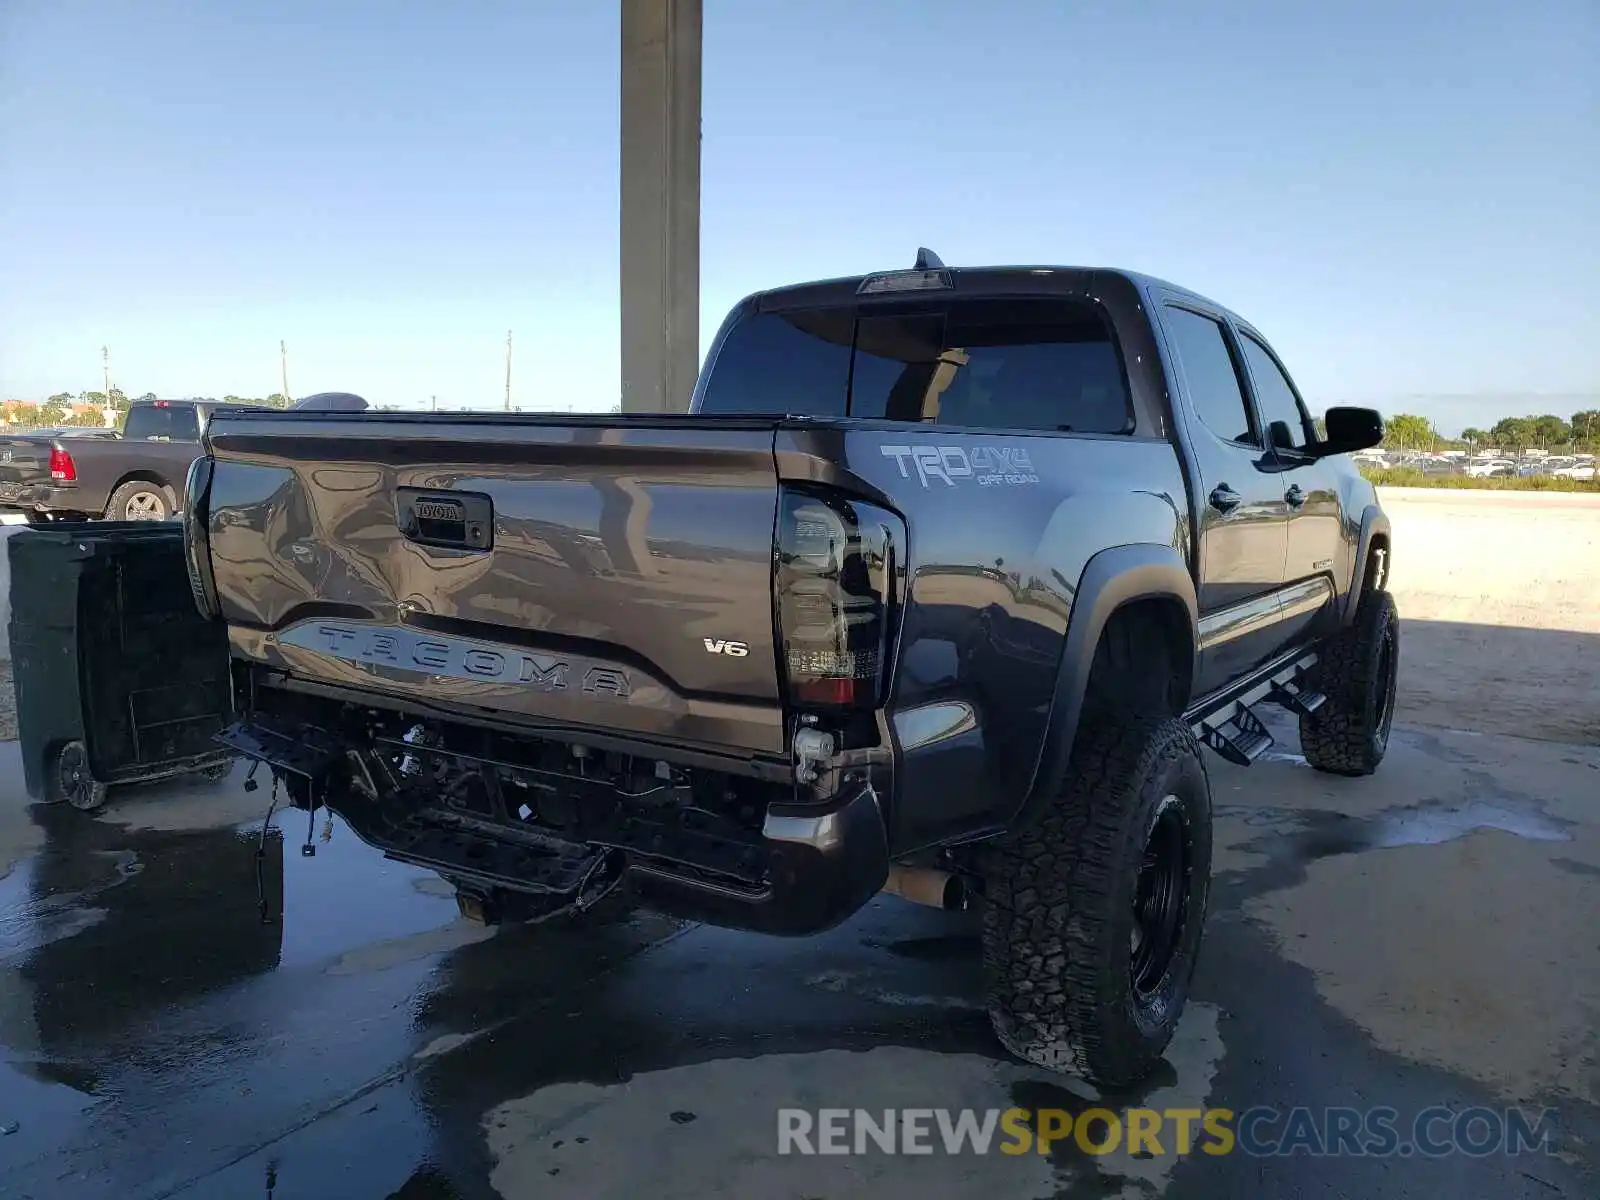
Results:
519 826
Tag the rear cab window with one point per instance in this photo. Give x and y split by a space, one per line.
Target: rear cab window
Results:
178 423
1049 365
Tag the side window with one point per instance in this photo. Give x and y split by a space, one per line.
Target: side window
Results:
1280 408
1208 369
792 363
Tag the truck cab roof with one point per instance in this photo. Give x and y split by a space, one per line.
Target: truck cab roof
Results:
974 282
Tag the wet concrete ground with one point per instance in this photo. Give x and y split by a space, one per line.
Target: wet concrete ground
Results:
1430 936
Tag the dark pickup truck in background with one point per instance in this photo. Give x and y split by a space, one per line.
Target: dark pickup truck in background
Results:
137 476
938 589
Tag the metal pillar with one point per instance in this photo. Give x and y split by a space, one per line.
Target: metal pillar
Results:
660 273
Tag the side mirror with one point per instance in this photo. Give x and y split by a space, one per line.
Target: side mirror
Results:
1281 436
1349 430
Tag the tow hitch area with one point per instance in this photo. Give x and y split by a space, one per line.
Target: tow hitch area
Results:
308 753
524 828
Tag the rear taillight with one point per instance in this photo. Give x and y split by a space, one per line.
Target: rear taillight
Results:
62 468
834 594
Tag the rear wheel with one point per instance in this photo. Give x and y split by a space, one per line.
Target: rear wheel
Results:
74 782
139 501
1093 912
1357 671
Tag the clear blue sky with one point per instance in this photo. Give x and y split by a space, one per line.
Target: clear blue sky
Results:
1404 196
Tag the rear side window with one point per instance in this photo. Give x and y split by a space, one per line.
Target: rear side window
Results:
792 363
1208 371
1040 365
179 424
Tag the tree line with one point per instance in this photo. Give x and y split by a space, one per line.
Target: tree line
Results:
56 412
1549 432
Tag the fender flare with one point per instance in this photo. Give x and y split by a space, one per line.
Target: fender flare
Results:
1373 521
1112 578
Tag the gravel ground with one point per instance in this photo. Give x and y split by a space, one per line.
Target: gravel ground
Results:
8 705
1499 595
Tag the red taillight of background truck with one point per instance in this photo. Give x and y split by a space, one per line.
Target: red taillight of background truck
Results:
62 468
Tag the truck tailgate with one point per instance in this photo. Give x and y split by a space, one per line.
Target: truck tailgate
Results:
601 572
24 462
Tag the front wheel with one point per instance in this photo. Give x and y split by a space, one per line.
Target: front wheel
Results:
1357 673
1094 911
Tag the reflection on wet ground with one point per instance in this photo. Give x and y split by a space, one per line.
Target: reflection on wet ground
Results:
1323 834
161 1039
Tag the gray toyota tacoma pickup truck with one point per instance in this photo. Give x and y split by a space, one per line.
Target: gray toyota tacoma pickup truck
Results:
938 588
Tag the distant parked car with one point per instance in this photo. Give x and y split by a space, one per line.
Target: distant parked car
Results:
1581 471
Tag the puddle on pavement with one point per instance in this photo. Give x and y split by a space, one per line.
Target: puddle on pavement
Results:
106 926
350 897
33 1107
711 1128
855 983
1283 756
1328 834
939 948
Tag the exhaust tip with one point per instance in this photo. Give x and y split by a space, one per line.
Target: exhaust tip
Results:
927 886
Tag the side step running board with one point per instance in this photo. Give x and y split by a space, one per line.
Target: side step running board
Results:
1294 696
1227 721
1240 738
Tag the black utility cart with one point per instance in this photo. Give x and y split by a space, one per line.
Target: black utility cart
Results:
118 677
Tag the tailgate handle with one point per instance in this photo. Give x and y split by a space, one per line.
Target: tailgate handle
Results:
454 520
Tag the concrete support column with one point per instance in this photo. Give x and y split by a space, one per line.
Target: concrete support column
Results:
660 203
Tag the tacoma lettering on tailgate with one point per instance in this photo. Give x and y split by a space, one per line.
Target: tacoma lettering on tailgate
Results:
457 658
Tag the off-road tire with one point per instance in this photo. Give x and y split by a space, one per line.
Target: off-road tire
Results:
117 506
1059 897
1356 670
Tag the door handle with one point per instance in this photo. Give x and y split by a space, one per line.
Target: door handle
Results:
447 518
1295 496
1224 499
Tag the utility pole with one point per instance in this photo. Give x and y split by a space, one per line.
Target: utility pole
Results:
659 208
105 367
283 368
433 403
508 370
